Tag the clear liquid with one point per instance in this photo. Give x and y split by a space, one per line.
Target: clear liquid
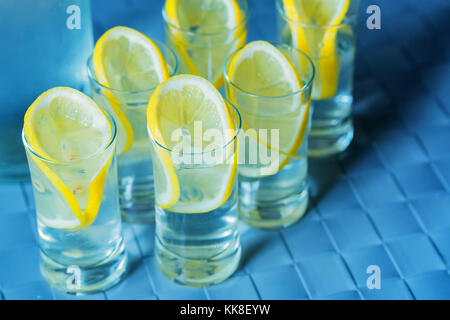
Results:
41 53
277 200
135 165
332 127
98 249
204 55
198 249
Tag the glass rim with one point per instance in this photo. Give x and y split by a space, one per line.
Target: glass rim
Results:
92 76
344 21
225 145
71 162
207 34
276 44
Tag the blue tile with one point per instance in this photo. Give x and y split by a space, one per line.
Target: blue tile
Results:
419 179
442 241
167 289
420 46
264 250
361 158
135 285
59 295
444 169
145 235
402 83
422 114
29 196
282 283
19 266
415 255
148 298
307 238
15 230
236 288
436 140
433 211
349 226
391 289
346 295
370 99
434 286
394 220
377 188
30 291
397 60
360 260
323 176
325 274
398 149
331 203
11 199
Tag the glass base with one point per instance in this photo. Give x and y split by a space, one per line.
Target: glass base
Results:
276 214
80 280
137 201
328 140
198 272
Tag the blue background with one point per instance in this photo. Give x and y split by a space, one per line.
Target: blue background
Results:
385 202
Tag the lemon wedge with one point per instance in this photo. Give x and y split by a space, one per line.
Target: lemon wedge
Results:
318 41
127 61
261 69
183 103
70 137
205 32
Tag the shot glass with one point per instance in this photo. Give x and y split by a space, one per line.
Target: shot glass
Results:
332 50
202 53
78 256
273 189
197 244
136 189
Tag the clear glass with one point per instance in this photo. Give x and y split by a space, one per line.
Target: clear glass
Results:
136 189
203 54
88 257
332 50
45 44
198 248
273 189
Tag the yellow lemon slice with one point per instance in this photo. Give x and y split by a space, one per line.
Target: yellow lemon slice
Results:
318 42
263 70
182 104
69 134
204 55
127 61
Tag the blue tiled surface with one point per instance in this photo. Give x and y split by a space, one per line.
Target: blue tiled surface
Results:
385 202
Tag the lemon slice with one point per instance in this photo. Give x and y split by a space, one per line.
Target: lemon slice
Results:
319 43
204 50
263 70
181 104
128 61
66 127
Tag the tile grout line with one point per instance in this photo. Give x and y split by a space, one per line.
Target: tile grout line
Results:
365 211
336 247
296 268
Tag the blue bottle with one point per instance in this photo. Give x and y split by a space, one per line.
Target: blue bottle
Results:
44 44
